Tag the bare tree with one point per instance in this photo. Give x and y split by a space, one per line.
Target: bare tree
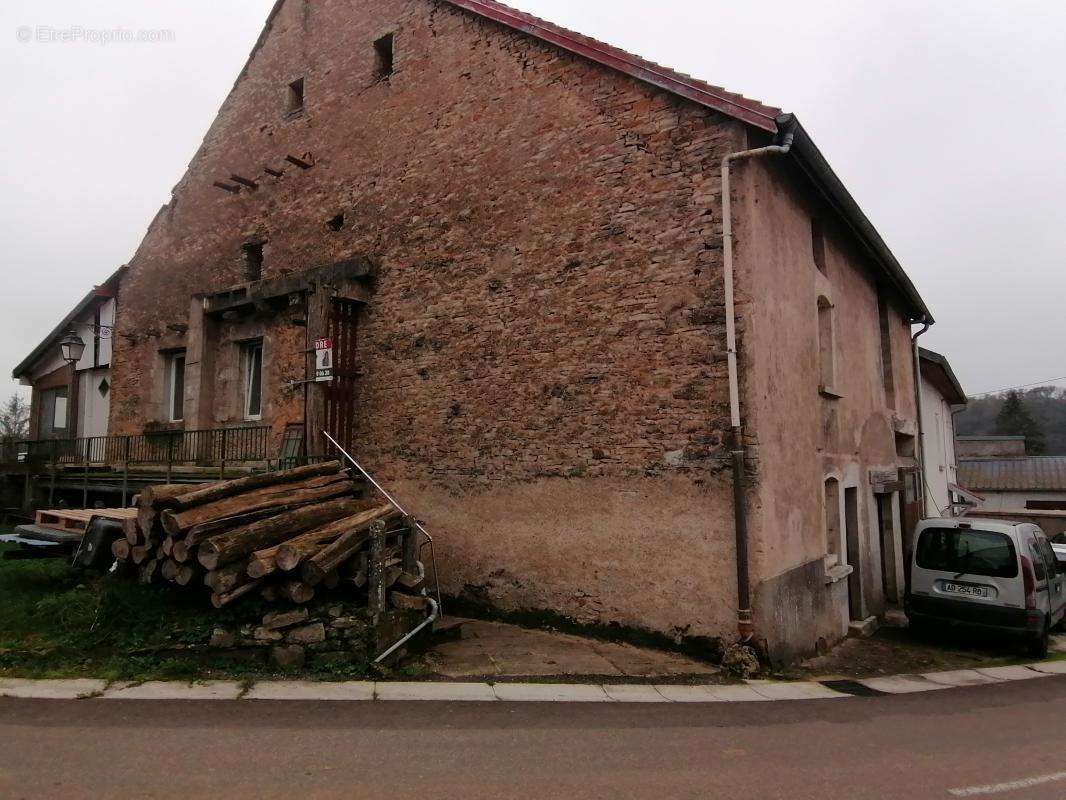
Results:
14 418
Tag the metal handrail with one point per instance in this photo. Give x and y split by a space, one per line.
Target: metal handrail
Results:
392 501
156 448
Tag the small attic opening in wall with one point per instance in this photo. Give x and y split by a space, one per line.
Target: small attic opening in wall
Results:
383 57
296 95
818 245
335 223
252 254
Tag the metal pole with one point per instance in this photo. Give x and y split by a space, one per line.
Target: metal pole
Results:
85 475
125 469
434 612
52 484
398 507
222 468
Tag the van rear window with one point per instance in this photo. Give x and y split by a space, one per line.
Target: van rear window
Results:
973 552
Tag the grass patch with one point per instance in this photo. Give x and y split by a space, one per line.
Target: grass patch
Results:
60 622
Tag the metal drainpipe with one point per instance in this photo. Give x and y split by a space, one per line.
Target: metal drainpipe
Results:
745 621
918 411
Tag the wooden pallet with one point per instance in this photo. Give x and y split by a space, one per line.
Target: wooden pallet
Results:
77 520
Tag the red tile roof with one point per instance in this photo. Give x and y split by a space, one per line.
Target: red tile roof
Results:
734 105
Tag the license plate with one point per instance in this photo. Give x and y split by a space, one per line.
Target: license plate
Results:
967 589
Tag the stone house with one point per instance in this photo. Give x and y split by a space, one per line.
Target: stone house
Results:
609 393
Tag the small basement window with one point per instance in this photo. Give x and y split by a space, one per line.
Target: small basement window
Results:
296 95
383 51
252 253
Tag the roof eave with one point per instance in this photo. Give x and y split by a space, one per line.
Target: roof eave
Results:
740 108
957 395
810 159
27 364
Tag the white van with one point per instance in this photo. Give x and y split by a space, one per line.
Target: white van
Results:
986 574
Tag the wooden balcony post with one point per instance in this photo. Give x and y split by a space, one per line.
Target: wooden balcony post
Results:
222 468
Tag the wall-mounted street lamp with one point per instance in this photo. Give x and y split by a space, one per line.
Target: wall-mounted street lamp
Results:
72 348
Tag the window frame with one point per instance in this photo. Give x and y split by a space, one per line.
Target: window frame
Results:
832 522
818 245
252 355
48 402
175 411
297 95
925 554
826 345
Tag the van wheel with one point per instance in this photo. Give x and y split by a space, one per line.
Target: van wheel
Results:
1038 648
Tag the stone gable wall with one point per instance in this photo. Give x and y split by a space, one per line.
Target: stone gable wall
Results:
541 364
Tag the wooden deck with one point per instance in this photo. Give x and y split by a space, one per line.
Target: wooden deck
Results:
77 520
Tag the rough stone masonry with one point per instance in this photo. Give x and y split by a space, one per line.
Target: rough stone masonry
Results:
541 333
538 368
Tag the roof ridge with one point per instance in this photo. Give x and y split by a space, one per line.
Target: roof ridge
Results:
733 104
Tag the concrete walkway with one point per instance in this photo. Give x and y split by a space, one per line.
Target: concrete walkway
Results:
495 650
375 691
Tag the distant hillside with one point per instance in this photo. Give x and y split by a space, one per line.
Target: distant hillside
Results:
1046 405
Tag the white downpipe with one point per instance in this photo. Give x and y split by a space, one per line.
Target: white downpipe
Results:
745 617
727 252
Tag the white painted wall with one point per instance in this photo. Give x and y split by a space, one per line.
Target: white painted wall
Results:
93 367
1013 501
938 437
93 405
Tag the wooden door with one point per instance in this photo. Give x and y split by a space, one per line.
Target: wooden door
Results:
910 508
340 394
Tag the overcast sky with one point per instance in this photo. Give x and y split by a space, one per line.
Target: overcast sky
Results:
944 119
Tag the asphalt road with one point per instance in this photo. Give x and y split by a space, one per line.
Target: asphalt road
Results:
1004 740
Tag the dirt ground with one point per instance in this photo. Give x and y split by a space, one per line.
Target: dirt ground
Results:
894 650
496 651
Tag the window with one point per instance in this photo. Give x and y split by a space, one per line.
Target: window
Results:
252 369
59 412
826 346
818 245
851 544
1050 559
53 420
174 386
252 253
296 95
833 540
905 445
886 350
964 551
383 52
1046 505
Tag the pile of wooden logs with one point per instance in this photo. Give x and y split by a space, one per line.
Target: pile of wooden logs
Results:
283 534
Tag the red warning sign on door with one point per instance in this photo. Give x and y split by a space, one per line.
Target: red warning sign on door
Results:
323 360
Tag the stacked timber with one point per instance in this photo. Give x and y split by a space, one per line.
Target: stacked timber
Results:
284 535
